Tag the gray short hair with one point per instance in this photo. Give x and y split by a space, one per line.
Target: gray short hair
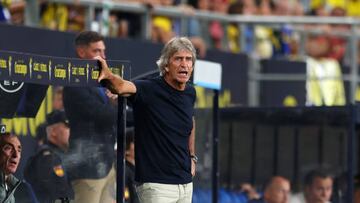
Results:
171 47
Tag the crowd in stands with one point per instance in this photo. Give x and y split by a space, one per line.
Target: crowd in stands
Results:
326 53
262 41
321 51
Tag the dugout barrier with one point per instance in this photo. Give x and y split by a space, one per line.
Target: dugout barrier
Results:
257 143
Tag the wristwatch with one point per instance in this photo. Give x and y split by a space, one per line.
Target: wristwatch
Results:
194 158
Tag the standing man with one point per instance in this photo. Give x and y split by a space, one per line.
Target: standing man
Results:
164 124
45 170
92 139
9 160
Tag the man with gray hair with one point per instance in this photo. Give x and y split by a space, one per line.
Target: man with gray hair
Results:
164 124
10 155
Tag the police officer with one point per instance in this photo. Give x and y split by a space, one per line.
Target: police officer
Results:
45 170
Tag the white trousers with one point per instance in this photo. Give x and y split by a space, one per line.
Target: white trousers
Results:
165 193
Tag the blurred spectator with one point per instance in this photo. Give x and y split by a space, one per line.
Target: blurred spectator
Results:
119 24
282 8
265 7
216 28
162 26
126 24
114 29
295 41
298 8
264 45
4 11
161 31
276 190
57 16
244 7
17 12
318 186
337 44
250 7
285 41
58 98
352 8
233 33
317 46
250 191
76 18
264 37
54 16
321 11
197 29
324 85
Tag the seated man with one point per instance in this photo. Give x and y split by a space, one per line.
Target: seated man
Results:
45 170
276 190
318 187
9 161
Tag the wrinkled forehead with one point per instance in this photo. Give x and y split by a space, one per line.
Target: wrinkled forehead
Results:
182 52
12 140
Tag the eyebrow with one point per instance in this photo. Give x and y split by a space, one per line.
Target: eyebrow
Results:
187 57
12 145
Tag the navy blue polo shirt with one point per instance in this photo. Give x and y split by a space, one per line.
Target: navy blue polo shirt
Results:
163 123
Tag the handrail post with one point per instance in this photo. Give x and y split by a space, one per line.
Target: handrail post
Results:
354 64
146 24
89 16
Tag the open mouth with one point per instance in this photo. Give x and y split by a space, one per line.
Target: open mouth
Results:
183 73
12 162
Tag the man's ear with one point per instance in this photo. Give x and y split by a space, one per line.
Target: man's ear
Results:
166 69
80 52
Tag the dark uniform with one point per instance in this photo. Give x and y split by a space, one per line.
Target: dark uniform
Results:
47 176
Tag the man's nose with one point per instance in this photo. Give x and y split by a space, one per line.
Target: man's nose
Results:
15 154
183 63
102 54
